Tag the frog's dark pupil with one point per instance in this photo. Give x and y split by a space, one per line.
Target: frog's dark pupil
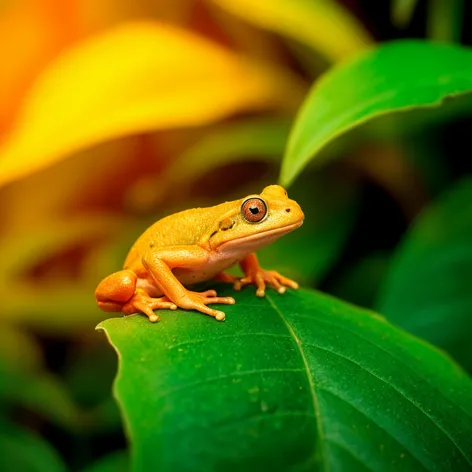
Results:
254 210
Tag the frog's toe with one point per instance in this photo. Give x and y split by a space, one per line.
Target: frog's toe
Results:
143 307
224 300
162 304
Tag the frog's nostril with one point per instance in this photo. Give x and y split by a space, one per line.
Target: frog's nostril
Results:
287 210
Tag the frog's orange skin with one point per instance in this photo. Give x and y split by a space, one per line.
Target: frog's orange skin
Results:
198 245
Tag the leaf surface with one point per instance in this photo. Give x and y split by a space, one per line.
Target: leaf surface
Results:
301 381
398 76
427 288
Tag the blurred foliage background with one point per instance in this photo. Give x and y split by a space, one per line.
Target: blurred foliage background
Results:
116 113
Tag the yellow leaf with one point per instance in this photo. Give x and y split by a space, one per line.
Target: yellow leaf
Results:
62 189
325 25
135 78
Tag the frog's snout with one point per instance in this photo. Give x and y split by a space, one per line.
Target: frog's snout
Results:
292 208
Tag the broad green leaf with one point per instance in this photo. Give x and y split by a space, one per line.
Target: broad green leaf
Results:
427 288
324 25
300 381
398 76
134 78
115 462
23 451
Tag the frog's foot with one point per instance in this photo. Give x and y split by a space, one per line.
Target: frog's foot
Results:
261 277
199 301
141 302
226 278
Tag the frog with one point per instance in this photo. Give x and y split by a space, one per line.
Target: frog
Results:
199 245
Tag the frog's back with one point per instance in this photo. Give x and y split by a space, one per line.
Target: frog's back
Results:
187 227
183 228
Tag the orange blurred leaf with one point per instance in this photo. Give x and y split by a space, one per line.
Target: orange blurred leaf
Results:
325 25
135 78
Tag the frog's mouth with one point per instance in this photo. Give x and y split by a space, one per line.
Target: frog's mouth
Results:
268 236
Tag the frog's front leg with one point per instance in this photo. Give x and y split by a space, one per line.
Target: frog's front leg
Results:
254 274
159 264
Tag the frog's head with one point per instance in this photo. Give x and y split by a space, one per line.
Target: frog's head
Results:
257 220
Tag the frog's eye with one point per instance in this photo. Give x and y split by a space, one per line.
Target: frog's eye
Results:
254 210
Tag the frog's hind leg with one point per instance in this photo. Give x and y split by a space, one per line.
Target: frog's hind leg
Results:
118 293
115 290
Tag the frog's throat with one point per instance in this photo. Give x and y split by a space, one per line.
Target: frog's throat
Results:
270 233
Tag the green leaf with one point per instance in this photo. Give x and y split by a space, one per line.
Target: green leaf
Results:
399 76
23 451
115 462
229 143
300 381
427 290
445 20
43 393
25 382
359 283
402 12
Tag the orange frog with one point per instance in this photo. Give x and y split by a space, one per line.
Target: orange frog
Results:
198 245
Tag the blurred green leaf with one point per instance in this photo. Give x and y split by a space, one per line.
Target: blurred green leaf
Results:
23 451
251 140
234 142
324 25
445 20
402 12
42 393
115 462
24 381
399 76
18 349
427 290
88 373
360 282
88 376
299 381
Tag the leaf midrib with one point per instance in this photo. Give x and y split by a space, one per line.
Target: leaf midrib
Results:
315 403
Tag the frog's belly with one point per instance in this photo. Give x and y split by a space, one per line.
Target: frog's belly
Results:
214 266
188 276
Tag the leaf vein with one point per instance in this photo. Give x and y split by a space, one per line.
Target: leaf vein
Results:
223 377
316 406
351 452
398 390
241 335
407 366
